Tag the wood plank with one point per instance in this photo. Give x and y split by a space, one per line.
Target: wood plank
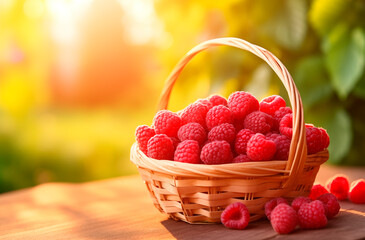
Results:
121 208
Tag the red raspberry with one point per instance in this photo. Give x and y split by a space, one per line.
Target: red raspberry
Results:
286 125
339 186
299 201
241 104
235 216
279 114
195 112
217 152
218 115
192 131
357 191
241 158
188 151
330 203
314 140
217 100
325 138
225 131
284 219
205 102
175 141
166 122
260 149
259 122
143 134
270 205
316 191
271 104
312 215
241 141
238 124
160 147
282 145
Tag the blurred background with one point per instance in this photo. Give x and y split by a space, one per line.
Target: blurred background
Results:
78 76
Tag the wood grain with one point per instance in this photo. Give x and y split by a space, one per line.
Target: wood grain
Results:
122 209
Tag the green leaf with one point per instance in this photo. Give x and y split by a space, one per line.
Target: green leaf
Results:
359 89
345 61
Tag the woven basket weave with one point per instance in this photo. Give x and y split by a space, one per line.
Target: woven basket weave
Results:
198 193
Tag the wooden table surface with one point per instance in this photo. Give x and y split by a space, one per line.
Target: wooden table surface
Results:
122 209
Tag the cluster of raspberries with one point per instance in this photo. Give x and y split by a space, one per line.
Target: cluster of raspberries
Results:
217 131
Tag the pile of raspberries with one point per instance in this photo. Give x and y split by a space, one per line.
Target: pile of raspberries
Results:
312 212
217 131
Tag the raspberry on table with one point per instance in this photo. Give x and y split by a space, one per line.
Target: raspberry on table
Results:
312 215
260 149
330 203
192 131
216 152
286 125
217 100
316 191
241 141
188 151
160 147
143 134
339 186
325 138
241 104
299 201
166 122
218 115
284 219
357 191
225 131
314 140
195 112
271 104
259 122
241 158
282 145
270 205
279 114
235 216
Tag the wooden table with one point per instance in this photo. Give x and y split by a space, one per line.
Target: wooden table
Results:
122 209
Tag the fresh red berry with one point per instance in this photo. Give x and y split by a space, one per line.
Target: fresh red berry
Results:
160 147
259 122
271 104
235 216
188 151
241 158
217 100
330 203
299 201
316 191
312 215
195 112
314 140
205 102
260 149
216 152
218 115
241 141
241 104
175 141
270 205
225 131
192 131
282 145
339 186
325 138
143 134
357 191
286 125
239 124
279 114
284 219
166 122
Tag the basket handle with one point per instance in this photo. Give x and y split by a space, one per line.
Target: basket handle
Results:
298 148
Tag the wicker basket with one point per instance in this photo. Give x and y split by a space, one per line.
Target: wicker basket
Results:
198 193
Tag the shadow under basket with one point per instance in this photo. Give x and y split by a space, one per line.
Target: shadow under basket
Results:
198 193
